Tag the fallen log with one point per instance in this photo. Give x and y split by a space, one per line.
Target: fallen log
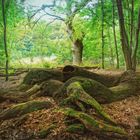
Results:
38 76
46 88
28 92
102 93
75 93
95 89
72 71
91 124
24 108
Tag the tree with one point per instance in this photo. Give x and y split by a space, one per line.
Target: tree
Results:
69 14
129 52
5 37
77 48
102 9
114 33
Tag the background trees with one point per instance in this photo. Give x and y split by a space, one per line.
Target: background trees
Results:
130 38
102 33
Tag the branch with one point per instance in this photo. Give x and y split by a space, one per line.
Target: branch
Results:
35 22
43 7
52 15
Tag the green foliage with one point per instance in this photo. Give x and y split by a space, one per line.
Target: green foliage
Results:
29 40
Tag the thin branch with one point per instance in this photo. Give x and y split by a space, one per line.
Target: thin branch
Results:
43 7
52 15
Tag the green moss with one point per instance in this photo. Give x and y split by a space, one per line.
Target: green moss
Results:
40 75
24 108
74 128
76 93
43 133
92 124
95 89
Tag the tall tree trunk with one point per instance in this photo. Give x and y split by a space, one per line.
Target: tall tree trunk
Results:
111 49
102 9
134 55
5 37
77 51
114 34
132 24
124 37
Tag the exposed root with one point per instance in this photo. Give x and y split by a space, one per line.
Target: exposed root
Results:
24 108
92 124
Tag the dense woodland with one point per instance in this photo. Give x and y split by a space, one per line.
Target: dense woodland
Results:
69 69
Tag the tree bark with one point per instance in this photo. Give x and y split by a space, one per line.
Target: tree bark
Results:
5 38
24 108
98 127
134 55
129 52
39 75
72 71
111 49
114 34
124 37
77 51
102 9
132 24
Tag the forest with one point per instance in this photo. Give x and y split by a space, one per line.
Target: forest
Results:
69 69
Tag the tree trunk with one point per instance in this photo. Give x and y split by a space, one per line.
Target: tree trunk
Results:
5 38
91 124
77 51
111 49
24 108
132 25
130 53
124 37
77 46
72 71
102 8
39 75
114 34
134 55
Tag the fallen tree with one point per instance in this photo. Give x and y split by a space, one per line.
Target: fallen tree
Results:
40 75
81 90
91 124
72 71
102 93
24 108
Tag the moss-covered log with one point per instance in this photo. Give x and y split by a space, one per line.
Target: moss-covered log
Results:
72 71
100 92
75 128
92 124
126 89
40 75
46 88
95 89
76 93
24 108
42 134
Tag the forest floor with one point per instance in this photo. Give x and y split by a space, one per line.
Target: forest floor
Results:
123 112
